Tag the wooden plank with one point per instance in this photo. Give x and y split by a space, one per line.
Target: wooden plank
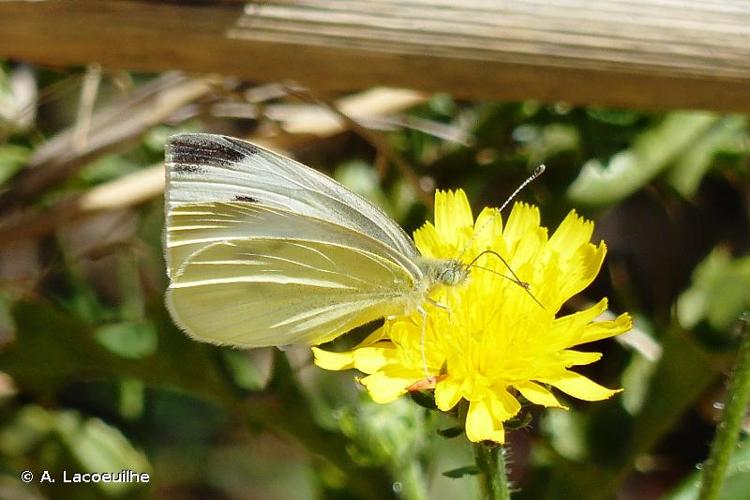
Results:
654 54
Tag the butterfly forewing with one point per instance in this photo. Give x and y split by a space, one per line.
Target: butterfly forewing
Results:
214 168
192 226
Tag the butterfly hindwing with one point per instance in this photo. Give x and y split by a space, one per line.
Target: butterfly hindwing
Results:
258 292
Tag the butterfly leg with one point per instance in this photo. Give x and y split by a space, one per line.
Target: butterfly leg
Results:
440 306
423 336
437 304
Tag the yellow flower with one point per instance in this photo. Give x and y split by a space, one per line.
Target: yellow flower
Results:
488 340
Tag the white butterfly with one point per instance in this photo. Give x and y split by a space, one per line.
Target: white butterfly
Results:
264 251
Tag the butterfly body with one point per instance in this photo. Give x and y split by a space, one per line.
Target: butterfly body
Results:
262 250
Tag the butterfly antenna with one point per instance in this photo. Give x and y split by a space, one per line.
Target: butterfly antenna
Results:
514 277
536 173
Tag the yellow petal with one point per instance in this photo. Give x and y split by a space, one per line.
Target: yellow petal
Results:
587 267
452 213
372 359
568 330
333 360
427 240
489 225
384 389
504 405
572 232
577 270
580 387
537 394
577 358
522 220
481 426
605 329
447 393
373 338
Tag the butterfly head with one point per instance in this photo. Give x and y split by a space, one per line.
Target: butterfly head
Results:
449 272
452 272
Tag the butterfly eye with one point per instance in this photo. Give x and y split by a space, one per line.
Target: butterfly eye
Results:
452 275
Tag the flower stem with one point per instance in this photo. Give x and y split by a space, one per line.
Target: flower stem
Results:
490 459
727 432
412 481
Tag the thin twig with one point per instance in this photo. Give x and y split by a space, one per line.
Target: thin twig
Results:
376 140
111 128
146 184
89 91
126 191
26 112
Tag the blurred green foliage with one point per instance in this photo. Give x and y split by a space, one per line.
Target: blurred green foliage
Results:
97 378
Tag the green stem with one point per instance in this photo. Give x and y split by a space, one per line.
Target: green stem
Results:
727 432
412 480
490 459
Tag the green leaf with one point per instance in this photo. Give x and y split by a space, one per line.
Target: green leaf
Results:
54 348
630 169
720 291
635 383
129 339
60 441
246 368
12 159
29 427
424 399
542 142
451 432
467 470
618 117
566 433
694 163
99 447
